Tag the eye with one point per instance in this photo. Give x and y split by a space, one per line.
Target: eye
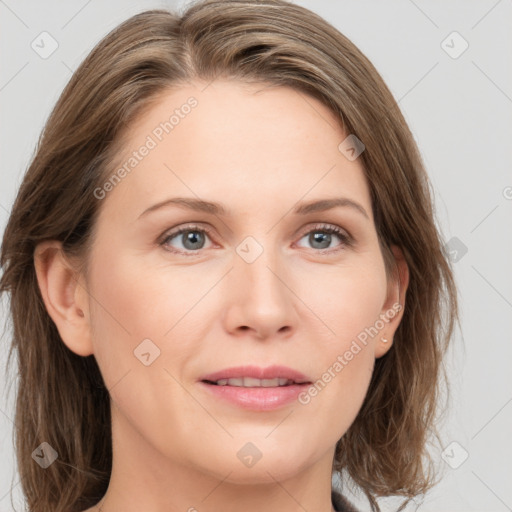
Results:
320 237
191 237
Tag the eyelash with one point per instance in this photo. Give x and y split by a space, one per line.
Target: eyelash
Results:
346 239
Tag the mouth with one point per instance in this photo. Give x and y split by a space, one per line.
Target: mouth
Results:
254 388
256 377
251 382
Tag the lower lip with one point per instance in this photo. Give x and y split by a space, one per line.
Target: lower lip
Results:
256 399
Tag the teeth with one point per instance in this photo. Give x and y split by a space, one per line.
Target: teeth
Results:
250 382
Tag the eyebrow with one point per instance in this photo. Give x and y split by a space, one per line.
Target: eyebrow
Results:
213 208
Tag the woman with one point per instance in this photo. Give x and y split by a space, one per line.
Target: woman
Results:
241 373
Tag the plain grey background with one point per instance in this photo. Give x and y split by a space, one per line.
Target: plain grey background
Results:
458 104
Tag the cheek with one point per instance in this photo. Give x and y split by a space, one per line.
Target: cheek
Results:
135 300
124 312
133 307
348 300
138 299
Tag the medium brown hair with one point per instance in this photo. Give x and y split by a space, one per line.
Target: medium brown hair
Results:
61 396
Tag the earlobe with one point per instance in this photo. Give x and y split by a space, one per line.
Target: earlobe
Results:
64 296
393 310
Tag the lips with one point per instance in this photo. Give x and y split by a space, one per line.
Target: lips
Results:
253 376
251 382
255 389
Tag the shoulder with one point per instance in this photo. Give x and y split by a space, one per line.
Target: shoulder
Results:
340 503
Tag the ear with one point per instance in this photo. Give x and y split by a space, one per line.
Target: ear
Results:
64 295
393 309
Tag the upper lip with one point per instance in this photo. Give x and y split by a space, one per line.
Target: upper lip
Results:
270 372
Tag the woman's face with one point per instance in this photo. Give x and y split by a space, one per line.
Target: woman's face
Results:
262 282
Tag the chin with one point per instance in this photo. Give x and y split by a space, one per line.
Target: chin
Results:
249 466
262 474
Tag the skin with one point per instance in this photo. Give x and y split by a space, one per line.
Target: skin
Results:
259 151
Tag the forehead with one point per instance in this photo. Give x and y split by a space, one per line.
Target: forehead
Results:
247 145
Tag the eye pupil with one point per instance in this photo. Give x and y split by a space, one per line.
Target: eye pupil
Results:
192 236
321 237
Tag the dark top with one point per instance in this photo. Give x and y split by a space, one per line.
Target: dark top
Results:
340 503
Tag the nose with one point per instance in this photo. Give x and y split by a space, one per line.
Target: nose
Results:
260 301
